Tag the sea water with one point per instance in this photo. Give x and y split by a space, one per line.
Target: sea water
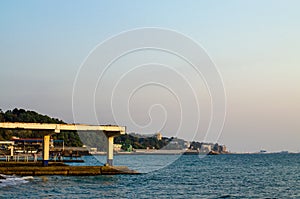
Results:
171 176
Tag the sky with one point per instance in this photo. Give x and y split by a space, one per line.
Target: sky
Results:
49 48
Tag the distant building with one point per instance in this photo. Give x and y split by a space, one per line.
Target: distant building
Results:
205 148
223 148
158 136
187 144
31 141
117 147
93 149
31 145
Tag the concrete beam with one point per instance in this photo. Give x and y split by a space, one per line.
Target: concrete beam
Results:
7 142
62 127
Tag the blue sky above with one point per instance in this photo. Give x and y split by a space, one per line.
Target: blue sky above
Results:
254 44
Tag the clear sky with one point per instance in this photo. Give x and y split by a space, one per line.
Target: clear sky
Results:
254 44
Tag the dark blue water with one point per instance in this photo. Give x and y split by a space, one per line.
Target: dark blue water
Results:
188 176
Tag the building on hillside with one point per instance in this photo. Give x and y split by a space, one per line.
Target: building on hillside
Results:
117 147
223 149
158 136
93 150
187 144
205 148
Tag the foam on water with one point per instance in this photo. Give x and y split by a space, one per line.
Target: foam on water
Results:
13 180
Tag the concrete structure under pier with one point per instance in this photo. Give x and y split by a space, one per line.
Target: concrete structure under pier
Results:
37 169
109 130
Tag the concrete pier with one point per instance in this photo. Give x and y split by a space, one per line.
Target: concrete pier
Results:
55 168
109 130
37 169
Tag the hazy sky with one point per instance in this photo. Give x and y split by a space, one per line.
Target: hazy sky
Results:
254 44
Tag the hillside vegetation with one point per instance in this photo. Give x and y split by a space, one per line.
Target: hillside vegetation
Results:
71 138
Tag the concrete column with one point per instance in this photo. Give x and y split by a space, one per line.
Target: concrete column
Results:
46 149
12 150
110 150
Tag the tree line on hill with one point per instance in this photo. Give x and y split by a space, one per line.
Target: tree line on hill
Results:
129 141
71 138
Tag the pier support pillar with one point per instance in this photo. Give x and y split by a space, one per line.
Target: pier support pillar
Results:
110 145
110 150
11 150
46 148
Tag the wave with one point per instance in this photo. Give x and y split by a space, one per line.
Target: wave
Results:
7 180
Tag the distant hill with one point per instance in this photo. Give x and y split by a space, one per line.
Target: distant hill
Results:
71 138
94 140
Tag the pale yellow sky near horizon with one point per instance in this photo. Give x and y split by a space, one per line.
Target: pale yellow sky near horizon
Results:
255 45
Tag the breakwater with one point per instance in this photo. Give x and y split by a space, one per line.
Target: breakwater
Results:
37 169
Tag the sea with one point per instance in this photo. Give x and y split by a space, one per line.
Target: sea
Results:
171 176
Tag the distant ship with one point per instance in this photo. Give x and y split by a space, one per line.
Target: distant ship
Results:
262 151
